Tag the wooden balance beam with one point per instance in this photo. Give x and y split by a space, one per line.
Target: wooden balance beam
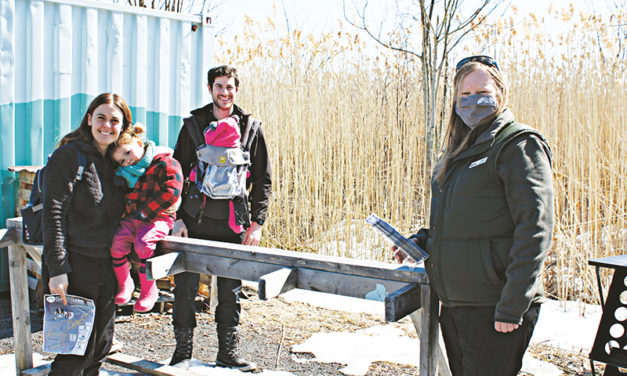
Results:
403 289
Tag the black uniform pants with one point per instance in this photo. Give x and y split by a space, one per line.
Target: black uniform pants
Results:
229 308
91 278
475 348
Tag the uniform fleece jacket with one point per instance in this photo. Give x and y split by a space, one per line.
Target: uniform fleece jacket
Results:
79 216
491 221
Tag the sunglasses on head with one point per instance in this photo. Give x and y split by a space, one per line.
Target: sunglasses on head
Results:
483 59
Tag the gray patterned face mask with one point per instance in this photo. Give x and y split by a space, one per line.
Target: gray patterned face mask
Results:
474 109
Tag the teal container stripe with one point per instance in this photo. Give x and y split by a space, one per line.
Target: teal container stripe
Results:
139 115
163 129
7 206
80 102
29 131
49 120
4 270
40 124
7 135
174 127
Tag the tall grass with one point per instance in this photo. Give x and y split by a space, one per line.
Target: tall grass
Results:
346 138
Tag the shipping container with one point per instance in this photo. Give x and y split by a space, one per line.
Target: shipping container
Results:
57 55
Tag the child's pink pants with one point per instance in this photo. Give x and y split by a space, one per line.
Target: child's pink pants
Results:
143 235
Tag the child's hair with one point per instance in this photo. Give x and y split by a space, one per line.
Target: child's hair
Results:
132 133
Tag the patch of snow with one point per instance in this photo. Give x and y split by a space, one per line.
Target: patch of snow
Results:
360 349
335 302
106 372
569 326
537 367
7 362
210 369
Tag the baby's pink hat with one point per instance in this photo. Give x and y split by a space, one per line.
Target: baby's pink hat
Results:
223 133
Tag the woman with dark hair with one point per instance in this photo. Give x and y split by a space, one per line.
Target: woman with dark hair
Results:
80 218
491 225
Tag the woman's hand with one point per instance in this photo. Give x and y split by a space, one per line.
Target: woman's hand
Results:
505 327
58 285
399 254
179 228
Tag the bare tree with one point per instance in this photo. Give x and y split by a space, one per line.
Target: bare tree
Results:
619 26
427 31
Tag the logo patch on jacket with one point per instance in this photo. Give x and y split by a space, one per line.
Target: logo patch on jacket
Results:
478 162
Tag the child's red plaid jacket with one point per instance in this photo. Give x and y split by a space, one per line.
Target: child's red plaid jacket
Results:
158 191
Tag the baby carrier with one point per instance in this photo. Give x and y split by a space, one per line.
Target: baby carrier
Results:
223 158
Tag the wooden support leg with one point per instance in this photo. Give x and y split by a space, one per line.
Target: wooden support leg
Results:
20 308
402 302
162 266
213 293
273 284
427 327
443 369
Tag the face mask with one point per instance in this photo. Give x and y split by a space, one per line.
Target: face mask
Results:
474 109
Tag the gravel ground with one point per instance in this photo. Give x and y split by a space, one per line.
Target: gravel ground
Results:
268 331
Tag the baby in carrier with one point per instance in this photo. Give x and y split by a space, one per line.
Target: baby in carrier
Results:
222 165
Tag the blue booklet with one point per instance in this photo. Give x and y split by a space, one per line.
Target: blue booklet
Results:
67 327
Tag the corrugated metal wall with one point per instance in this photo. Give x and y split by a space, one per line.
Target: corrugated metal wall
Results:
57 55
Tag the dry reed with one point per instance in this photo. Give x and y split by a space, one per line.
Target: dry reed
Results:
345 133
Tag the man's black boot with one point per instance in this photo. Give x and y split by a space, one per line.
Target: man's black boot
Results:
184 344
227 350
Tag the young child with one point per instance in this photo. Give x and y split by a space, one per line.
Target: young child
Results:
155 180
223 133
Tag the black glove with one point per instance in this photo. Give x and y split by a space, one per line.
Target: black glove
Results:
420 238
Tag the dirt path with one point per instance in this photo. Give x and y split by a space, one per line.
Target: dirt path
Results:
269 330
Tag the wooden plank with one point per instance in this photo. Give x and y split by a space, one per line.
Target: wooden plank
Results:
162 266
20 308
32 283
8 237
146 366
402 273
402 302
33 267
346 285
34 251
273 284
42 370
429 332
308 279
15 223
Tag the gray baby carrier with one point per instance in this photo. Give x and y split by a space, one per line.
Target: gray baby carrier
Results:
222 171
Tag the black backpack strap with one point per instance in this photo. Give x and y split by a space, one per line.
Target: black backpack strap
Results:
252 125
82 163
512 130
194 131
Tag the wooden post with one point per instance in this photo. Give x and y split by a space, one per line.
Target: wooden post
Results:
429 332
443 369
20 308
